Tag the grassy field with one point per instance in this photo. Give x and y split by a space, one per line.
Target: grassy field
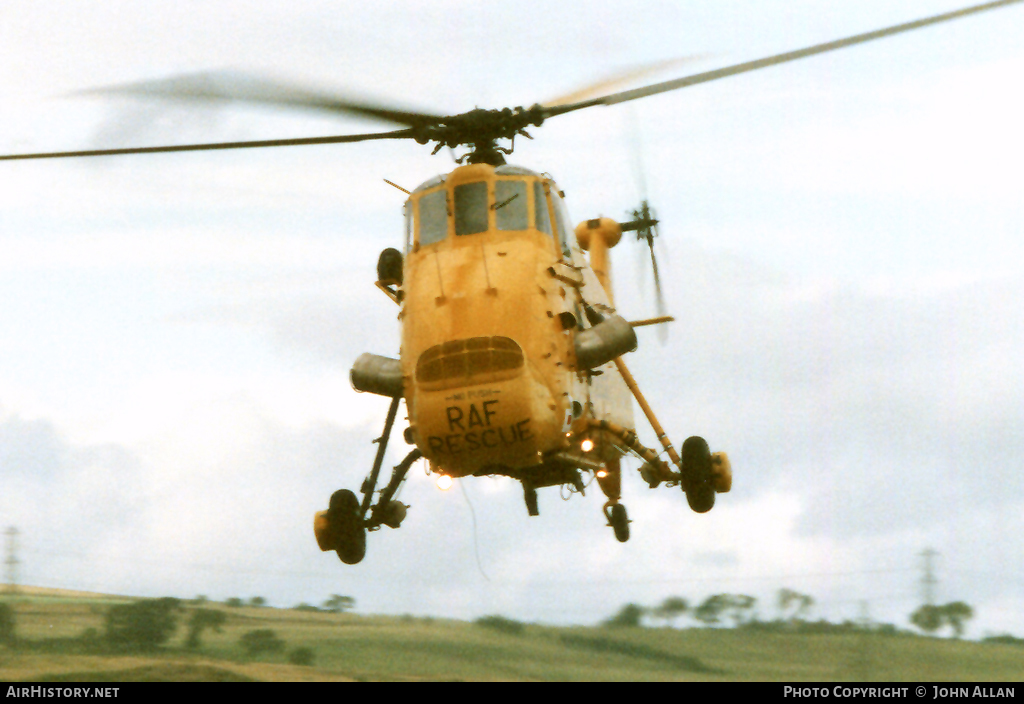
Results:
348 647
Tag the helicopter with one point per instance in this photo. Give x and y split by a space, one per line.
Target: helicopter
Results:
512 350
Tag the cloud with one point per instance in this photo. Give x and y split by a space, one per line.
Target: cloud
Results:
226 491
67 500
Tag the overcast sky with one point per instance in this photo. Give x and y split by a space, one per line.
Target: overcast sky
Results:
842 241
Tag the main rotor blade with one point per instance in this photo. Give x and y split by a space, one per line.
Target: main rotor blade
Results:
666 86
397 134
236 87
613 81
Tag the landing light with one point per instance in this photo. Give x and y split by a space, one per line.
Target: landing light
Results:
601 474
444 482
587 445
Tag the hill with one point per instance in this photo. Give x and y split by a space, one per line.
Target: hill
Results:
59 640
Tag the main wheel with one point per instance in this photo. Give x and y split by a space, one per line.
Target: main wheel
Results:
697 478
620 523
347 522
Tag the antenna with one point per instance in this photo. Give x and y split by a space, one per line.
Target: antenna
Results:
11 562
403 190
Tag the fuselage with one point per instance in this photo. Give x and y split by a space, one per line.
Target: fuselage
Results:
492 295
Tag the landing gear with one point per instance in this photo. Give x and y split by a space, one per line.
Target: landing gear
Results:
610 481
698 479
619 521
342 527
346 523
700 473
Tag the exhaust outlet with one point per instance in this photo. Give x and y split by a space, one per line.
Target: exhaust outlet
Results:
608 339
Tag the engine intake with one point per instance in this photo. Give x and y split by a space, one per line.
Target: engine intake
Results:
377 375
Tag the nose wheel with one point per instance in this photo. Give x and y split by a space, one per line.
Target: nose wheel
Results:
618 520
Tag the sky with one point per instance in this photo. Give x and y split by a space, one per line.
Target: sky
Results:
841 245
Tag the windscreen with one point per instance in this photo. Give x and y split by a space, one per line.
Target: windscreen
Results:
510 206
433 217
471 208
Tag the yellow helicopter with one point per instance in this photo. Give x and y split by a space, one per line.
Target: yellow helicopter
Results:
511 357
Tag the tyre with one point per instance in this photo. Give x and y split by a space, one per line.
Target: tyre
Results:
697 475
620 523
701 500
347 523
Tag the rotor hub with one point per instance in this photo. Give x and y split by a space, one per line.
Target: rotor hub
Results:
481 129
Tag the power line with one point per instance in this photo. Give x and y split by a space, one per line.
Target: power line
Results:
556 583
164 560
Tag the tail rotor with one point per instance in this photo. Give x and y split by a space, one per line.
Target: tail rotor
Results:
645 224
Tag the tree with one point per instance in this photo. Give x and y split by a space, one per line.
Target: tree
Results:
234 602
257 601
339 603
739 606
736 606
144 624
261 641
7 634
955 614
628 616
928 618
711 609
672 608
201 620
798 605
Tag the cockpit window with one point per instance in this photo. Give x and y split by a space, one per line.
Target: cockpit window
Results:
510 205
407 211
471 208
541 220
565 234
433 217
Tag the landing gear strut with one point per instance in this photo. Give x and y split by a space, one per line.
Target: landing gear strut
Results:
610 481
342 527
530 496
701 474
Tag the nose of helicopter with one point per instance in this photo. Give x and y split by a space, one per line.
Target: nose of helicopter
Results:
501 424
